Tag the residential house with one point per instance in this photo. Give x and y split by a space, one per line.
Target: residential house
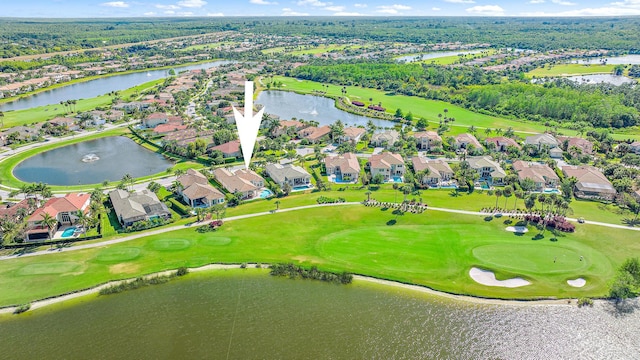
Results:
585 146
555 153
592 184
314 134
69 123
155 119
289 125
63 209
489 170
428 140
131 106
438 173
14 212
352 134
541 174
246 182
291 174
166 128
501 143
385 139
139 206
196 190
634 147
229 149
344 168
389 165
542 140
466 141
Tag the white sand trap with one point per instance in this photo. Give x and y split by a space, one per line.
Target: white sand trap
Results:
488 278
579 282
517 229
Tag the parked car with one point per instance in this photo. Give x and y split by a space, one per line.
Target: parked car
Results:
581 220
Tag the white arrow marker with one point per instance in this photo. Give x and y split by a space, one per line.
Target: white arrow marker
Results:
248 124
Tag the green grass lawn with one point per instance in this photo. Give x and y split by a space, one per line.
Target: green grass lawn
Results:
570 70
435 249
311 50
209 46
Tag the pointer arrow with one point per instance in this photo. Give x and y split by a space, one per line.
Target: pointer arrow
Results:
248 124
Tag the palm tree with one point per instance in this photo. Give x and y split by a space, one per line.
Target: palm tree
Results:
519 195
487 131
368 193
277 205
84 220
199 212
219 210
507 192
48 221
498 194
127 180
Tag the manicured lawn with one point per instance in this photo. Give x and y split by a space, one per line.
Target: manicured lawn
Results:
311 50
571 69
434 248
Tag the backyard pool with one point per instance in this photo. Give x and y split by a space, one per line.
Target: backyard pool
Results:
396 179
302 187
551 191
448 186
265 193
68 232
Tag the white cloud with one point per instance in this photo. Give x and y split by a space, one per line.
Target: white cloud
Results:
460 1
215 14
536 2
186 13
290 12
262 2
603 11
150 13
392 9
167 7
346 13
312 3
116 4
335 8
192 3
435 9
169 12
563 2
360 5
486 10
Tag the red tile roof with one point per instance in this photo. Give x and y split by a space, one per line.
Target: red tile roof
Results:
70 203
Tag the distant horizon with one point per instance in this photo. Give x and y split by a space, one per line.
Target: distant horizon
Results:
83 9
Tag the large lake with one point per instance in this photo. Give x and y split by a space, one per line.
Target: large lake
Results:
613 60
91 162
435 55
287 105
249 315
97 87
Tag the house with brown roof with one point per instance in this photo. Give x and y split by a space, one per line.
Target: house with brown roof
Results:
592 184
63 209
166 128
541 174
315 134
386 138
288 174
155 119
246 182
196 191
501 143
138 206
389 165
342 168
289 125
465 141
14 212
69 123
585 146
428 140
352 134
229 149
439 172
489 170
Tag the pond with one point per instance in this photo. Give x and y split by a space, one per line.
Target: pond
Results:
601 78
97 87
246 314
91 162
435 55
287 105
612 60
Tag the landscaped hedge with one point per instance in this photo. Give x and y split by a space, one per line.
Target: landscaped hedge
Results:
178 207
328 200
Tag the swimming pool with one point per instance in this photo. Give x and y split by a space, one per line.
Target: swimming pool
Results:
302 187
396 179
68 232
265 193
551 191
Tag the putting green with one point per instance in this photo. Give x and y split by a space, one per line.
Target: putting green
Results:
171 244
118 254
51 268
215 241
529 258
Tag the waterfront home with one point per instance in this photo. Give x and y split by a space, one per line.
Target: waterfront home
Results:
196 191
288 174
501 143
166 128
245 182
489 170
131 106
585 146
155 119
389 165
229 149
385 139
343 168
315 134
138 206
438 172
592 184
69 123
428 140
541 174
352 134
542 140
63 209
14 212
466 141
286 126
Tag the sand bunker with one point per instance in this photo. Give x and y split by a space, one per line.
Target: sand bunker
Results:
517 229
488 278
579 282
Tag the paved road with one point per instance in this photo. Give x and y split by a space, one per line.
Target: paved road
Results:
180 227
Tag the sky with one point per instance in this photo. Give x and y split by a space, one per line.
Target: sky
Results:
181 8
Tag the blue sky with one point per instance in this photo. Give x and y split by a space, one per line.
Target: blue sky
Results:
143 8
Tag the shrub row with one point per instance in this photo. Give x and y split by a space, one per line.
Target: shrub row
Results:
142 282
556 222
328 200
295 271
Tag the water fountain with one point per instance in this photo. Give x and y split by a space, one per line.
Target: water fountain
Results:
90 158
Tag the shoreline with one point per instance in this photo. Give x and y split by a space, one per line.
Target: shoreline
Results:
37 304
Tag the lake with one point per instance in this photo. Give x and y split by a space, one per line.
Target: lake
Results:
91 162
97 87
613 60
246 314
435 55
287 105
601 78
